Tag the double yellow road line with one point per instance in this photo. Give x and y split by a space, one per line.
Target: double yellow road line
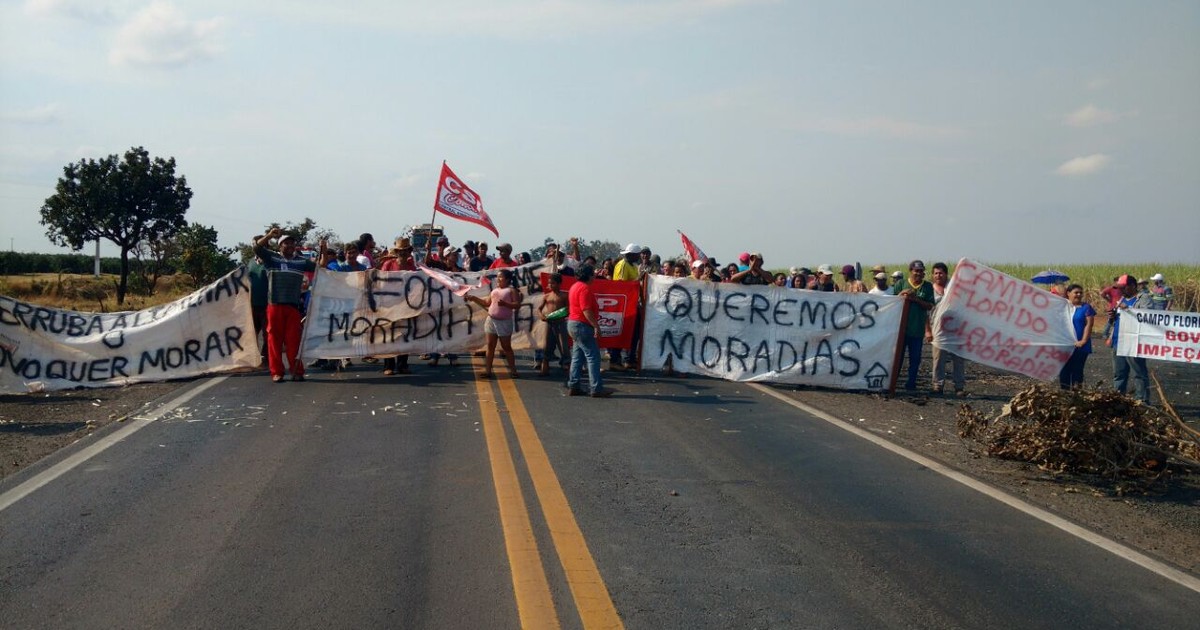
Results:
535 605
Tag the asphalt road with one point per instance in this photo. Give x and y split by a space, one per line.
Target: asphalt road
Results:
437 501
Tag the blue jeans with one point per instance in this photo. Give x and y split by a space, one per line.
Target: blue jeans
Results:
912 347
1122 366
585 349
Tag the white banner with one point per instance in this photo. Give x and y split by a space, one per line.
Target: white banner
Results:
997 320
382 313
1159 335
766 333
211 330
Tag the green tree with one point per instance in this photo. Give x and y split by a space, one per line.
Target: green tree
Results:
126 201
198 255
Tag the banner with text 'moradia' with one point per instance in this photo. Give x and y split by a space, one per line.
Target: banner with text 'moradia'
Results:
383 313
773 334
211 330
992 318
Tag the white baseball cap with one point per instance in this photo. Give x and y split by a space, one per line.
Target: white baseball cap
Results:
632 248
1158 277
825 269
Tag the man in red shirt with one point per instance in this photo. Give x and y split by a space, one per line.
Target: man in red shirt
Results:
505 259
1112 295
583 324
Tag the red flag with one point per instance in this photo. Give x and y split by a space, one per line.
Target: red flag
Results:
693 251
455 199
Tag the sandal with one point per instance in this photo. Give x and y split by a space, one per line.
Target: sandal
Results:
388 372
486 375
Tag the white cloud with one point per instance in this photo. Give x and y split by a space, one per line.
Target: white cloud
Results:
1090 116
1086 165
40 115
160 35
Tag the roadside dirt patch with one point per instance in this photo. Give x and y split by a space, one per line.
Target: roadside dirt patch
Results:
33 426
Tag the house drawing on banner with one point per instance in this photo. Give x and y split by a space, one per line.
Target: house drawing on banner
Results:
876 376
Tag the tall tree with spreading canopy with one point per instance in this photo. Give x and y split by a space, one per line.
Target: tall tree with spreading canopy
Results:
126 201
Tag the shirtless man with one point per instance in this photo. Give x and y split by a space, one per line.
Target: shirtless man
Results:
556 329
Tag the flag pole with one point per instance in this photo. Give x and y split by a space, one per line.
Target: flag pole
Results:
433 217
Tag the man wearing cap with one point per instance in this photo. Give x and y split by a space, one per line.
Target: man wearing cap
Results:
881 284
1161 294
825 279
285 282
918 296
1130 298
853 284
627 268
505 259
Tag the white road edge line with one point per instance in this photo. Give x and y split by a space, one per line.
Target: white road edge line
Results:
1165 570
32 484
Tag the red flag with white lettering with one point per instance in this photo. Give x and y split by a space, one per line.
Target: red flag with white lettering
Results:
456 200
693 251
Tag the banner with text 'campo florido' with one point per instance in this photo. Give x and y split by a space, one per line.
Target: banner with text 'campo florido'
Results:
997 320
774 334
1160 335
618 302
382 313
211 330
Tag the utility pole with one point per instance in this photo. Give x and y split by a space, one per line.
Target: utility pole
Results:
97 258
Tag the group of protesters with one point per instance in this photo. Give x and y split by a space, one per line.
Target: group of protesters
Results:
280 279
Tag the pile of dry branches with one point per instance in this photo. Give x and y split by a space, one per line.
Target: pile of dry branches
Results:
1095 432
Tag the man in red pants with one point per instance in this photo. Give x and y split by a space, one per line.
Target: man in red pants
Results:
285 285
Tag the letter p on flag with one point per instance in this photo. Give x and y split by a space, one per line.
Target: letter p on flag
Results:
457 200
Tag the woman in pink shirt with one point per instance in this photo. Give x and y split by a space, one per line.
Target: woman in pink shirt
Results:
499 325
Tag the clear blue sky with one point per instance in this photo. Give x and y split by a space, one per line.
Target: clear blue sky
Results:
813 132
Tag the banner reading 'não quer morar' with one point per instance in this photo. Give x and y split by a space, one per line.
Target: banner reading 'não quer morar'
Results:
211 330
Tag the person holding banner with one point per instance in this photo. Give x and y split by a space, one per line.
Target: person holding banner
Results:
285 280
583 324
943 359
1130 298
918 296
1083 318
499 325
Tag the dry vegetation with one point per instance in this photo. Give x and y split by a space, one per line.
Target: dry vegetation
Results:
87 293
1102 433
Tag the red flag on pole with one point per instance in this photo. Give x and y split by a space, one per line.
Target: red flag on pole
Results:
455 199
693 251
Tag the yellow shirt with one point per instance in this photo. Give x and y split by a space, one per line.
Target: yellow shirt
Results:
625 271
